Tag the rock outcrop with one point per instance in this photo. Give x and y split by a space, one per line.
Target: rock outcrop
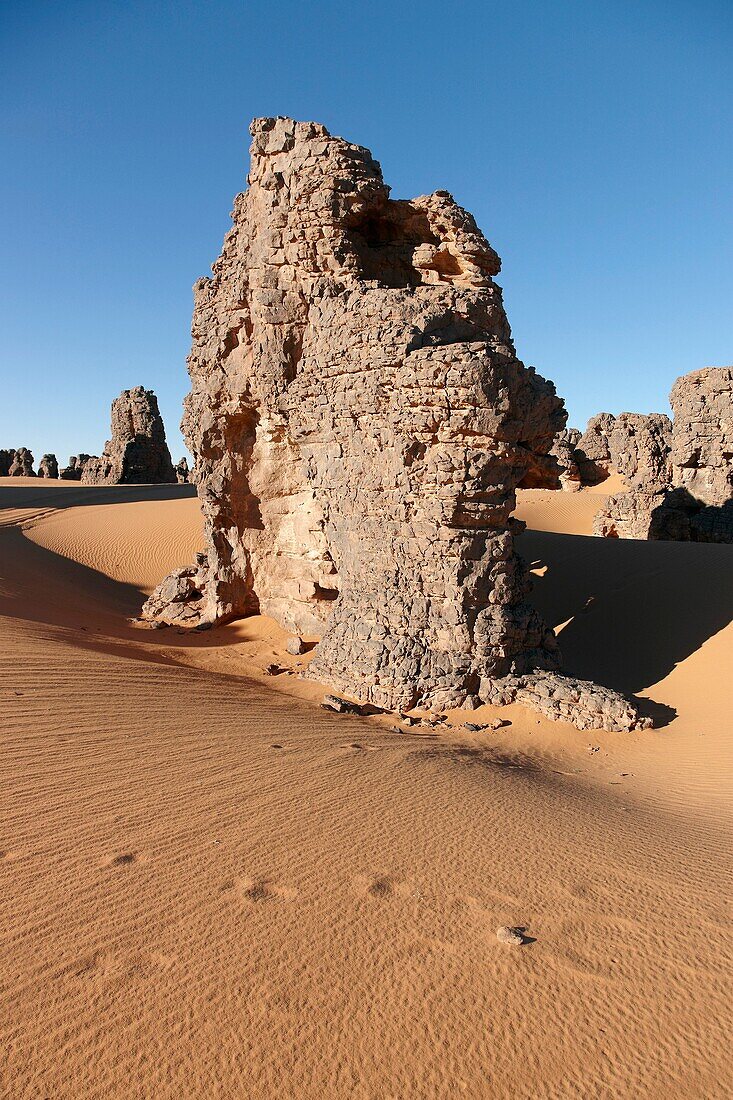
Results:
137 453
702 441
680 472
6 461
74 470
48 467
359 422
593 453
183 474
558 469
22 464
639 449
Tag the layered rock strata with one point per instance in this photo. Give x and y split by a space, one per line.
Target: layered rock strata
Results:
359 422
137 453
22 464
680 472
48 466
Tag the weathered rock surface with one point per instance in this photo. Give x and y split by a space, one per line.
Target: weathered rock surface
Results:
74 470
702 440
183 474
582 703
22 464
137 453
680 472
593 453
48 466
558 469
631 444
639 448
360 421
6 461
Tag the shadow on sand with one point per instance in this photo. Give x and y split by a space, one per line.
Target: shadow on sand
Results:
633 609
70 494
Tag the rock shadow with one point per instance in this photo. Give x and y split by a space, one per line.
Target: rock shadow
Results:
633 610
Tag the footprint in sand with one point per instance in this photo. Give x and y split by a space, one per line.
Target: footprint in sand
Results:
259 889
381 887
124 859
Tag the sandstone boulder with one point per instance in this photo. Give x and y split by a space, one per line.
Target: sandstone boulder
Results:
137 453
6 461
22 464
183 474
360 421
48 467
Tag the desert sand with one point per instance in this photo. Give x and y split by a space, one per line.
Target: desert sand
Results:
211 887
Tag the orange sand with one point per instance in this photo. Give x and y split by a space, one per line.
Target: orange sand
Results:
212 888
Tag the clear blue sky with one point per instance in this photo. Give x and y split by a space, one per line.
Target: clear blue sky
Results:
592 140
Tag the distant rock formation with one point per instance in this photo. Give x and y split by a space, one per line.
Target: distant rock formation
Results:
702 442
631 444
680 472
6 461
183 474
74 470
137 453
48 466
639 447
22 464
592 454
360 421
558 469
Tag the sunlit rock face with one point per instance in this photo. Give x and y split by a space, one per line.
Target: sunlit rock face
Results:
359 421
680 472
137 453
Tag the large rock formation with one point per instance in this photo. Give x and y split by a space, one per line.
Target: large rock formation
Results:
702 441
137 453
22 464
6 461
359 421
74 470
183 474
592 453
680 472
48 466
558 469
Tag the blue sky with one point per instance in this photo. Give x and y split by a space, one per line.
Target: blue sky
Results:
592 141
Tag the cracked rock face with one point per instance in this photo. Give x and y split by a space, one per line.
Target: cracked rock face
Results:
137 453
702 441
680 472
359 422
48 467
22 464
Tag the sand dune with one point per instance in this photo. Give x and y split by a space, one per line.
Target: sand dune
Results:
213 888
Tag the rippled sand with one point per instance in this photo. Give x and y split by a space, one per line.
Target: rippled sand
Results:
210 887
